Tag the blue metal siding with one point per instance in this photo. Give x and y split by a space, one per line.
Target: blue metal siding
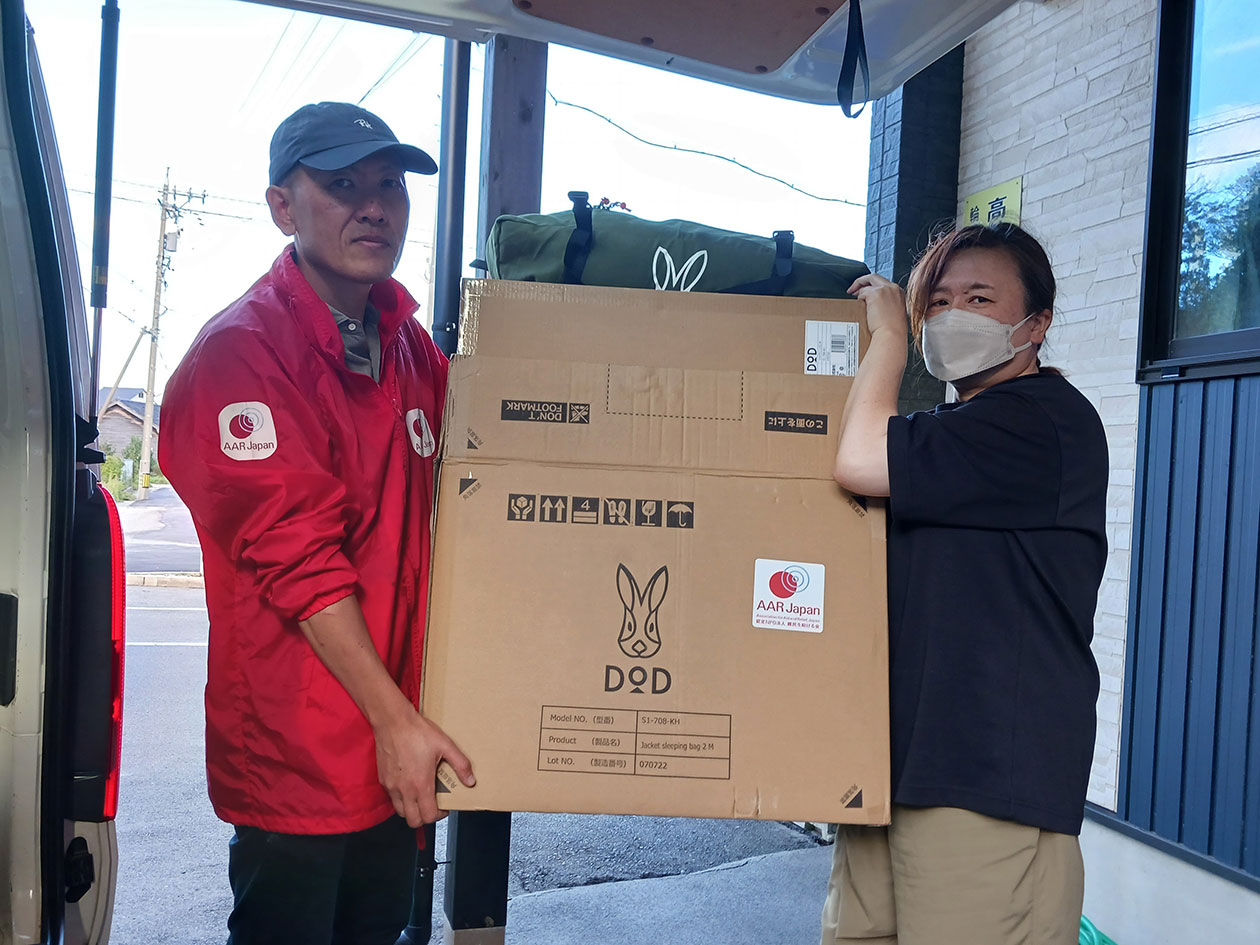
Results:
1190 767
1239 703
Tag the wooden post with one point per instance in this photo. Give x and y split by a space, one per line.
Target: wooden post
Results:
513 108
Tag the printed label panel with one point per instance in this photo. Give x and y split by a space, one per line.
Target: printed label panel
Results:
585 763
668 767
623 741
781 421
788 595
564 739
684 723
831 348
595 720
690 746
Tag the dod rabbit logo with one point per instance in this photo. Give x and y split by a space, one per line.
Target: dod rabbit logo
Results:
666 274
640 636
422 440
247 430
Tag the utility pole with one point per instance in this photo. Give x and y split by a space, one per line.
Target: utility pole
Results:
146 435
171 210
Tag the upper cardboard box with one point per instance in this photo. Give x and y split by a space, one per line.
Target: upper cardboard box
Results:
699 331
633 378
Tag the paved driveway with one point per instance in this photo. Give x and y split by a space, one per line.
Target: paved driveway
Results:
159 532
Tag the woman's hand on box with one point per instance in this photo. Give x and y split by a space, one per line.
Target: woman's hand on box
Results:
885 303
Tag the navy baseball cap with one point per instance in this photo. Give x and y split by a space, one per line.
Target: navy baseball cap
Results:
332 135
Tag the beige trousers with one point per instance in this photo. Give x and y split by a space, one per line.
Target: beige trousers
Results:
944 876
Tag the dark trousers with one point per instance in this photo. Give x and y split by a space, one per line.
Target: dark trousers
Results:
332 889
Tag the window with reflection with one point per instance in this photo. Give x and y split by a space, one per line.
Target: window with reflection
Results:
1218 287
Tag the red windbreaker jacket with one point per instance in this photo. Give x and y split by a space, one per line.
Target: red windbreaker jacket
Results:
307 483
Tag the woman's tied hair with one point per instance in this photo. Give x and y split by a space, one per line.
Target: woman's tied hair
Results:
1030 260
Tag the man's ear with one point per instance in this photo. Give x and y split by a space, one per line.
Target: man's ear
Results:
280 200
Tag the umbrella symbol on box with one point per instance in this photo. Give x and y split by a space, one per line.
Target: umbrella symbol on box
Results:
680 515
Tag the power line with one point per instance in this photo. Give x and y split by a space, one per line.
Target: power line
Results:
251 202
406 61
143 328
306 42
710 154
323 53
1224 158
390 70
1225 124
272 55
412 40
203 213
281 90
1219 114
92 193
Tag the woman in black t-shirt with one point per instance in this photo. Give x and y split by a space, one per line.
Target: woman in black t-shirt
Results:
996 549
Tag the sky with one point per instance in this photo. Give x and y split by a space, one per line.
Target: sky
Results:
202 85
1225 107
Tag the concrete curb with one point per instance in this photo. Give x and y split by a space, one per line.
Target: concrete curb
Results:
166 579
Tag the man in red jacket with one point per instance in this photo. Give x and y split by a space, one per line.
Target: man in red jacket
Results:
300 430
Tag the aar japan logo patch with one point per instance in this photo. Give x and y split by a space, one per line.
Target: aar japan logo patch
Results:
422 440
247 430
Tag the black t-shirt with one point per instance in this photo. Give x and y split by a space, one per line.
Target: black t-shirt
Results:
995 554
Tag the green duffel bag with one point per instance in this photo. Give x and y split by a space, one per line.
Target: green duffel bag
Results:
588 246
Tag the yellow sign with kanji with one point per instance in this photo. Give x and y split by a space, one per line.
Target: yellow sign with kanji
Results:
998 204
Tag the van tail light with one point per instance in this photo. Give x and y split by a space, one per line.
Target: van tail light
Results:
118 640
94 650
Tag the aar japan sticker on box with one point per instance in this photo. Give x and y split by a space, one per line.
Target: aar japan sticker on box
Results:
788 595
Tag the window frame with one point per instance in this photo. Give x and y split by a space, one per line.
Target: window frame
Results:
1161 356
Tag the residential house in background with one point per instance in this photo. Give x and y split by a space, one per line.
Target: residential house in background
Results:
123 418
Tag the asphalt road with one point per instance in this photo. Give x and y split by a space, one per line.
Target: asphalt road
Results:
159 533
172 879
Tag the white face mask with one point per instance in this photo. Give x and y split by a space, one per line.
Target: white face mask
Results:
959 343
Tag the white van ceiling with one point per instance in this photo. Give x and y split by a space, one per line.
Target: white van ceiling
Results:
789 48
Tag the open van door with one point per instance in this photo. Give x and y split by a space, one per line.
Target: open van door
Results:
794 49
62 605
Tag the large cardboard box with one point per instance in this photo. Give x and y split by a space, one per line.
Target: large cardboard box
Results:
648 595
